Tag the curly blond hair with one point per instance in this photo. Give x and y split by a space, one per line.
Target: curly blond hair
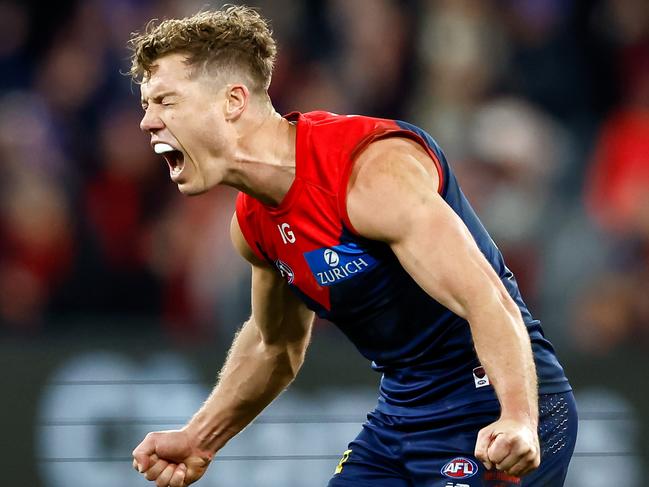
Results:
237 37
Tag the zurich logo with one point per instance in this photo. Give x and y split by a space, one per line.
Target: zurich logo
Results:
460 468
285 270
331 265
331 258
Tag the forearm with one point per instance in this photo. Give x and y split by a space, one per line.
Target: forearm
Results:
254 374
503 347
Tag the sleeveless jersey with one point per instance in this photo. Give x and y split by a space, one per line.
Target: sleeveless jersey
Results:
424 351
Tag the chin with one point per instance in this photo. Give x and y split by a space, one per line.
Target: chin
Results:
188 190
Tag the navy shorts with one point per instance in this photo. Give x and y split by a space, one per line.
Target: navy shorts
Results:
437 450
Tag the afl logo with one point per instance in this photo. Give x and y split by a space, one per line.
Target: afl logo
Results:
331 258
285 271
460 468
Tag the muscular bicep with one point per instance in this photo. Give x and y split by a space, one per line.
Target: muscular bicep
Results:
429 239
278 314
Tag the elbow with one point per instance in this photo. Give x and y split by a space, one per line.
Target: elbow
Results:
508 304
495 302
294 358
287 358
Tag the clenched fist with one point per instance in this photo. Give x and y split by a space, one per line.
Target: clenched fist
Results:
170 459
510 446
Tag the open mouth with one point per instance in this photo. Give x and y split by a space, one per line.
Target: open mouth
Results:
175 158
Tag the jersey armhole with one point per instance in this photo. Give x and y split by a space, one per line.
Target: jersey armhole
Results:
362 145
242 213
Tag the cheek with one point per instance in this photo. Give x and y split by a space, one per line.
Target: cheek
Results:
201 131
212 133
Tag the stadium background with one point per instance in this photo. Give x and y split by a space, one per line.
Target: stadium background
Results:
118 297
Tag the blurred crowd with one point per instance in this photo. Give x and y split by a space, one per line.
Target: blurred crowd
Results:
542 108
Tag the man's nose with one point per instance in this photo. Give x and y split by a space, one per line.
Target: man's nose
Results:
150 122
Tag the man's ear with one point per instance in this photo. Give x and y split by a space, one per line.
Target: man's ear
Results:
237 96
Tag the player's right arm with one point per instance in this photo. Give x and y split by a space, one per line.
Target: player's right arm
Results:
264 358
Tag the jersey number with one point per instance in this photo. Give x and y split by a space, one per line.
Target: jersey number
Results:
287 234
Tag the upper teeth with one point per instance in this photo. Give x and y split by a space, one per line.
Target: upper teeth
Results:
161 148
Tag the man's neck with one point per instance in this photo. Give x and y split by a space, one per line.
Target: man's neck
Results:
264 159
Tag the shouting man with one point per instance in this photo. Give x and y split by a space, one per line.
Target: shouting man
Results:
361 221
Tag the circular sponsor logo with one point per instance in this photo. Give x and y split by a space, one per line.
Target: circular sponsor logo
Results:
285 271
331 258
460 468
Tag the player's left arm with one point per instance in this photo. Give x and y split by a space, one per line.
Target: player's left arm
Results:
392 196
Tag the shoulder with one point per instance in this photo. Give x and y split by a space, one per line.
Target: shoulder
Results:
240 243
396 176
392 156
389 166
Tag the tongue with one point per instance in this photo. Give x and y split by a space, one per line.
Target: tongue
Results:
161 148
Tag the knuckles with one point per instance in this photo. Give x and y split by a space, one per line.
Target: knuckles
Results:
503 445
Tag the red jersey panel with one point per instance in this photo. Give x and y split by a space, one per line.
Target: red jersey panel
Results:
313 213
